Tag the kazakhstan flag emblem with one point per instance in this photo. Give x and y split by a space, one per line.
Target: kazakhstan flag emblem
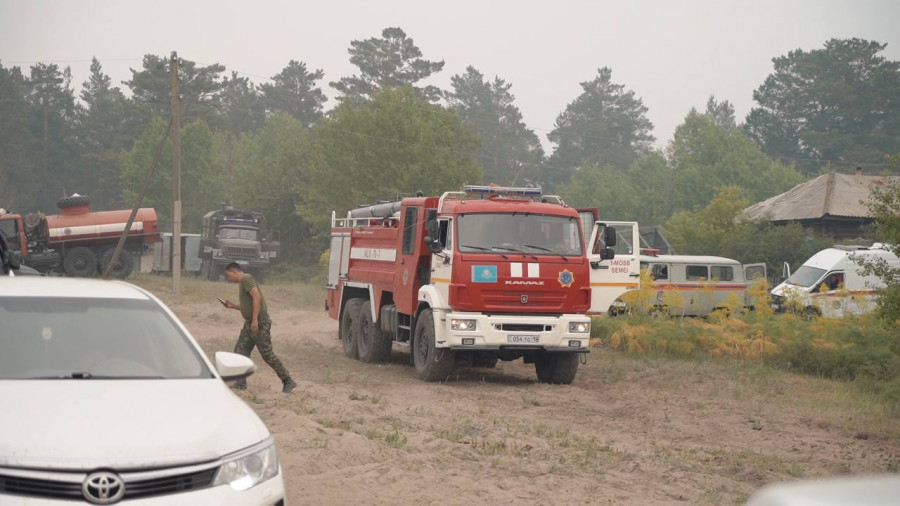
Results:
484 273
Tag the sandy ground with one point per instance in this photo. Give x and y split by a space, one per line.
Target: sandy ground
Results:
628 431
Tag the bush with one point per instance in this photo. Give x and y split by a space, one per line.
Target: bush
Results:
860 349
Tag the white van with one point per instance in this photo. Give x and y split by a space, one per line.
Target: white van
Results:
831 283
703 283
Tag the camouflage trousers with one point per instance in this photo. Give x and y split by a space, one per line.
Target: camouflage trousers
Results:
262 340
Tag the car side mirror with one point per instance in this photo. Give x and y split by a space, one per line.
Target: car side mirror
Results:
607 254
232 366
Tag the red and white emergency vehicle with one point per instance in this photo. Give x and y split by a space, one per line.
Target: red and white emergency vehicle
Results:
473 277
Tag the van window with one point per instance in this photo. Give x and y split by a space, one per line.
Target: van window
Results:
696 273
805 276
832 282
755 272
722 272
660 271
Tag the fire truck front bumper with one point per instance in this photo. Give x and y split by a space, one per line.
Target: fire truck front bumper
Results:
475 331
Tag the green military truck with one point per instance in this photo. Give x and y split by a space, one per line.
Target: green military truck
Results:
235 235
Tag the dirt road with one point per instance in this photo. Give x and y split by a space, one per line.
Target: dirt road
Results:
628 431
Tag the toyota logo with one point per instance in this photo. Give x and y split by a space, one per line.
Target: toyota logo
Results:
524 299
103 488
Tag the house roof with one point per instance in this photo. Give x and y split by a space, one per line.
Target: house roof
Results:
832 194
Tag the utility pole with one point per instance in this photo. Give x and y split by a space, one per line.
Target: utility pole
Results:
176 178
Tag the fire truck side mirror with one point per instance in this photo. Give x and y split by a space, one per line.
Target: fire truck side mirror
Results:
434 245
609 237
607 254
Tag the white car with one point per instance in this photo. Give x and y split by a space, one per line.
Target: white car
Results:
106 397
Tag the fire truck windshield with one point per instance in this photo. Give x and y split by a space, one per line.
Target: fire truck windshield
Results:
534 234
237 233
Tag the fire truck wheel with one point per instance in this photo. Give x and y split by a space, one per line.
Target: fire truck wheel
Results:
373 344
80 200
348 327
80 262
432 364
124 264
556 368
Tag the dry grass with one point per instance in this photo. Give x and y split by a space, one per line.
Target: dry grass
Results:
194 289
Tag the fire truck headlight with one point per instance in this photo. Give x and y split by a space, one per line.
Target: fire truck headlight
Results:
462 324
579 327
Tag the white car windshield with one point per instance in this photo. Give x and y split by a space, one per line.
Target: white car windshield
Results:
89 338
806 276
533 234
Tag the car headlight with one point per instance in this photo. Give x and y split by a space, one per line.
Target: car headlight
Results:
246 469
579 327
462 324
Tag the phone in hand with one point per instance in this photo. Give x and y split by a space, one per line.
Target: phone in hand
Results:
221 300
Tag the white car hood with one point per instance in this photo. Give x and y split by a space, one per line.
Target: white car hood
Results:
87 424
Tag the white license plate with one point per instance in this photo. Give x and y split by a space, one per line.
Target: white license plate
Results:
520 339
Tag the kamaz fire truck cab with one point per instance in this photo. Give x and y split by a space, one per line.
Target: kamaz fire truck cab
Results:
474 277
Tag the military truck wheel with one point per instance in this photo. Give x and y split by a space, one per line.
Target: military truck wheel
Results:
124 264
347 327
374 344
432 364
80 262
73 201
556 368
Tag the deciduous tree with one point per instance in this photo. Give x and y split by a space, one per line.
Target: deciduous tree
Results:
705 155
396 143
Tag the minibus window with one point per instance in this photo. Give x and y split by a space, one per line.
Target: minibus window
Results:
696 272
660 271
722 272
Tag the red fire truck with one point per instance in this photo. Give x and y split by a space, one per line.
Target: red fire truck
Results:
476 276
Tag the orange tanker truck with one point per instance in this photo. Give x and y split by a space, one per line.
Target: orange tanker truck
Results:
78 241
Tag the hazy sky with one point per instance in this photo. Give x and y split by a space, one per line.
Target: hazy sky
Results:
672 54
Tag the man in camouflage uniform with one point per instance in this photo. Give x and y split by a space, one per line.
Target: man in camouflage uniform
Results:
257 325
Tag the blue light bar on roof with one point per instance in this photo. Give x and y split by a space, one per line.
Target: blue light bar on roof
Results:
503 190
